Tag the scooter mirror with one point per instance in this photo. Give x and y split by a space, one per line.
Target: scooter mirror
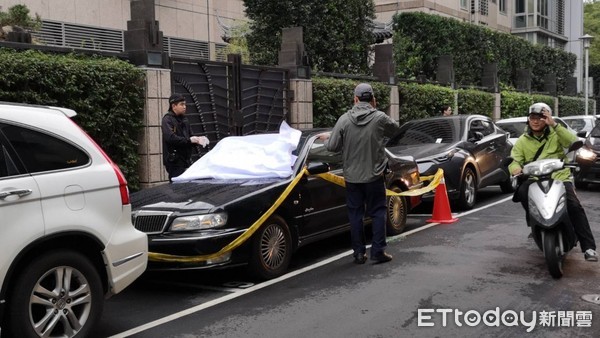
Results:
575 145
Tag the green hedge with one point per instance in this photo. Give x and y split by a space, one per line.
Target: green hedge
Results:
569 106
106 93
514 104
472 101
420 38
333 97
423 100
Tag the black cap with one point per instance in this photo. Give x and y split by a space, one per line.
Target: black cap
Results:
175 98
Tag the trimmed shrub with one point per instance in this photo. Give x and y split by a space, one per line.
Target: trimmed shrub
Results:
423 100
334 97
569 106
472 101
106 93
514 104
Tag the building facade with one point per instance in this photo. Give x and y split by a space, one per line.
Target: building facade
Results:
194 28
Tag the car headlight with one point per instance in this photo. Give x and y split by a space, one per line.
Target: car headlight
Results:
199 222
586 154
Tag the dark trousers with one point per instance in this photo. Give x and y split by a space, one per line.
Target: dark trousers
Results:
174 170
372 195
575 210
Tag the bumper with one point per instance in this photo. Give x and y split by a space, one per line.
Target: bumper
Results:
125 255
589 174
196 244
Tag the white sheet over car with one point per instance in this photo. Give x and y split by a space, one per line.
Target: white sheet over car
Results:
252 156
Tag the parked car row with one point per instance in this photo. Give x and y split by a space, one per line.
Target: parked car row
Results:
72 235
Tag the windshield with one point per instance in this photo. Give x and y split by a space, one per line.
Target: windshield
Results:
427 132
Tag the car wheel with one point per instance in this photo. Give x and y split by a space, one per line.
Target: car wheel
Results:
468 190
396 213
271 249
58 295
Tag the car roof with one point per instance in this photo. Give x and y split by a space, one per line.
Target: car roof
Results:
24 108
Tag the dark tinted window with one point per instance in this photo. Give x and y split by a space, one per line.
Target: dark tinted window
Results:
7 165
482 126
318 153
515 129
41 152
426 132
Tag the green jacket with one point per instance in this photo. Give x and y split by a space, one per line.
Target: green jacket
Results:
555 139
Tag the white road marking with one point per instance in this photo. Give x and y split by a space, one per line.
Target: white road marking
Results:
239 293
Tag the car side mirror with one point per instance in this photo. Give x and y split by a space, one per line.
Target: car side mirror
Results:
315 168
476 136
582 133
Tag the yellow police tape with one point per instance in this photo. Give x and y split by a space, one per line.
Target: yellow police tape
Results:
160 257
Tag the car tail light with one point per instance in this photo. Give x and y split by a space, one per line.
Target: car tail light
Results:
120 177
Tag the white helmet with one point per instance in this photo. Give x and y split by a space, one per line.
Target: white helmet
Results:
538 108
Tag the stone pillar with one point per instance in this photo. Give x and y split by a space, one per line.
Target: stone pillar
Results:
384 67
301 104
497 113
394 109
158 89
143 38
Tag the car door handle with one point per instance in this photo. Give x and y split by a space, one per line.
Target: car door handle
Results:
19 192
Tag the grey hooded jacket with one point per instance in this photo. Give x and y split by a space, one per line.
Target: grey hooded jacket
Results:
359 134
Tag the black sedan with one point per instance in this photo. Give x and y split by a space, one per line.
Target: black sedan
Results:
469 148
588 158
200 217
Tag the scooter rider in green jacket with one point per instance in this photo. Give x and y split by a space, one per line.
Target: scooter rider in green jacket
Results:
543 132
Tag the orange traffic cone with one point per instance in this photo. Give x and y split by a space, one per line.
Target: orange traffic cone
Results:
441 206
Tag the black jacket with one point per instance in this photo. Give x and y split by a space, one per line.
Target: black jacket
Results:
177 147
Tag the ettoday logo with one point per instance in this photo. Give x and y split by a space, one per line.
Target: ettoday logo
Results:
496 318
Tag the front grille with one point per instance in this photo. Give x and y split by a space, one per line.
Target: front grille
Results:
151 222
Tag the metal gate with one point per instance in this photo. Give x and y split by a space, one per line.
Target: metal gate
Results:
230 99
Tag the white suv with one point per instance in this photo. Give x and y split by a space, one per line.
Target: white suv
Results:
66 238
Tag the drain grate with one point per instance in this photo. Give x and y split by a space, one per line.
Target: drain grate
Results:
595 299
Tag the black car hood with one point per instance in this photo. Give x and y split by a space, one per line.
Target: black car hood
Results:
421 151
199 195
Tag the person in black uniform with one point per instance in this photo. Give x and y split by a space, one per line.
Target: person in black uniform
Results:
178 141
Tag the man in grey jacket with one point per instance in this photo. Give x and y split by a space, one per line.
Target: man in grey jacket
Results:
360 134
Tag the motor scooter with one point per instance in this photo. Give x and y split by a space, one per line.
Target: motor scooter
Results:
549 220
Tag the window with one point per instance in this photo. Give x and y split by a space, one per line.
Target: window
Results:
318 153
482 126
502 6
40 152
463 4
7 166
484 7
519 6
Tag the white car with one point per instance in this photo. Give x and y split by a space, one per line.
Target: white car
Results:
515 126
581 123
66 235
